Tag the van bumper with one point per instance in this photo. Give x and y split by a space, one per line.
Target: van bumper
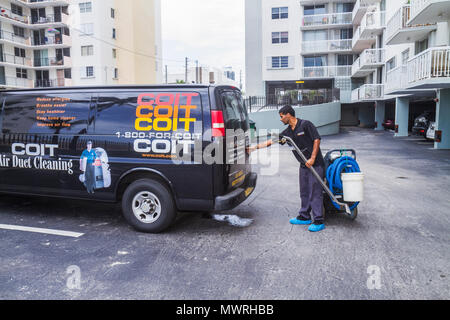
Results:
236 197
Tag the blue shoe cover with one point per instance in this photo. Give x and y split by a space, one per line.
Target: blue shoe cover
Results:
316 228
300 222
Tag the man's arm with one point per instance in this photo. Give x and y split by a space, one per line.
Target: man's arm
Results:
315 152
263 145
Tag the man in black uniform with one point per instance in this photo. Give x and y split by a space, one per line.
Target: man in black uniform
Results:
306 137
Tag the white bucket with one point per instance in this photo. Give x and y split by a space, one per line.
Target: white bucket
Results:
353 185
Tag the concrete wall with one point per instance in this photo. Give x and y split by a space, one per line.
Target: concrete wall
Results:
326 118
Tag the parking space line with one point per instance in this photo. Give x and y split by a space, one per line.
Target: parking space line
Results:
41 230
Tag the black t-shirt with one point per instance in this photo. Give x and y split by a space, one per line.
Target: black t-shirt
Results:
304 135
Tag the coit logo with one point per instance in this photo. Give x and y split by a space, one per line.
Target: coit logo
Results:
33 149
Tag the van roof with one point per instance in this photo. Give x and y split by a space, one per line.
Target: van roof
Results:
166 86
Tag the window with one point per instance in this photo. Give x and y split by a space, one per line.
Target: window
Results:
421 46
280 62
346 34
280 13
315 61
114 33
18 52
313 10
18 31
68 73
280 37
114 53
85 7
87 28
344 60
16 9
405 57
116 73
317 35
87 72
87 51
391 64
21 73
113 13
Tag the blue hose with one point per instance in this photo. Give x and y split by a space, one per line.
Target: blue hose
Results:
341 165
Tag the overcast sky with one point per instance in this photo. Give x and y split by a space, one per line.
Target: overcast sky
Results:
210 31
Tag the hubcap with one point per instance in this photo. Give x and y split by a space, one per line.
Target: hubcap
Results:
146 207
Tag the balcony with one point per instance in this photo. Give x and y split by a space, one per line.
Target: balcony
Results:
326 46
361 6
368 92
6 36
52 62
397 80
372 25
13 83
51 19
44 3
57 40
398 30
426 11
367 62
10 59
430 69
326 21
326 72
50 83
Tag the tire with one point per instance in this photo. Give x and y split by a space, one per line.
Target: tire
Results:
148 206
354 214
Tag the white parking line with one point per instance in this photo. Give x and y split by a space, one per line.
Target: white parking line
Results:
40 230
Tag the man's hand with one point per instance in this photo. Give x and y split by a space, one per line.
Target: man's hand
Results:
310 163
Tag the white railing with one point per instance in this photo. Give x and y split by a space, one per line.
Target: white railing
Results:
327 72
327 19
12 82
397 79
326 46
9 36
368 92
369 57
418 5
430 64
12 59
373 20
398 21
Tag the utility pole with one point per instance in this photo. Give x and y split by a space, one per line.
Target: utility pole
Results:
186 71
196 71
166 75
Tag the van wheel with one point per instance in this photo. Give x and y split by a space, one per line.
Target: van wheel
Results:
148 206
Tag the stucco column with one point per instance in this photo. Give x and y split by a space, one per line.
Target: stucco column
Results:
380 108
402 116
443 118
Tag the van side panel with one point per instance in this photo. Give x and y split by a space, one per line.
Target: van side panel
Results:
151 128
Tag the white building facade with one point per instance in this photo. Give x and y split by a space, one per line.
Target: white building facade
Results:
388 58
35 44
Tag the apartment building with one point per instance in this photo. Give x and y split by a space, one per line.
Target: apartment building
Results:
54 43
35 44
389 59
117 42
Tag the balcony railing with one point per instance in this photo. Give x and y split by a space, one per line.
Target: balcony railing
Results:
325 20
396 79
326 72
326 46
373 20
12 59
433 63
13 82
48 62
51 18
368 92
7 13
369 59
49 83
10 36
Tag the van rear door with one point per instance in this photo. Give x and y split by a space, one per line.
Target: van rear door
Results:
237 137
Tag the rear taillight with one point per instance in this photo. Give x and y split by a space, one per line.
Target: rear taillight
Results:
218 125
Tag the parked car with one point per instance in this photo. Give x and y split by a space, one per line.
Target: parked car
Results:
123 144
422 123
431 131
389 125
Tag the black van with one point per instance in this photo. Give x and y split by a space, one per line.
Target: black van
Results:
144 146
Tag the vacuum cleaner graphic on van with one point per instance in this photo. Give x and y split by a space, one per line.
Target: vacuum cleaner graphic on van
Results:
94 164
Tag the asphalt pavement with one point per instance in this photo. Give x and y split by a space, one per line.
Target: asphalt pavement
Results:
397 248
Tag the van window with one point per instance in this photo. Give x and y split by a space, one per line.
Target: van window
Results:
47 114
236 116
